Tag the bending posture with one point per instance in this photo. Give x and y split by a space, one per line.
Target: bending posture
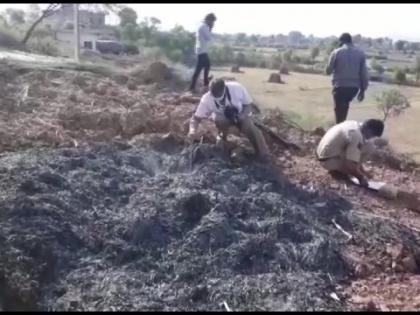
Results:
340 149
203 36
230 105
350 77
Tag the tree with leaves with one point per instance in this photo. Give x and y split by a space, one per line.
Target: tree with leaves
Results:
400 44
400 76
240 59
375 65
392 103
130 33
15 16
276 61
155 22
314 52
127 16
288 56
417 69
333 45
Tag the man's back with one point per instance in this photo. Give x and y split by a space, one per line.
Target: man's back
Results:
203 36
337 138
348 66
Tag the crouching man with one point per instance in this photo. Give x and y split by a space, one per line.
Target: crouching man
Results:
229 104
340 150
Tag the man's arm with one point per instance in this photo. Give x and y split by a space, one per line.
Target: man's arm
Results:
247 104
353 165
203 111
364 77
194 123
331 64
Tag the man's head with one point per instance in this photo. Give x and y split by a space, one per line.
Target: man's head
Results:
217 89
210 19
345 38
372 128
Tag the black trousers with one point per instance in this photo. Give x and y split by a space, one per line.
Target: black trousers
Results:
342 98
203 62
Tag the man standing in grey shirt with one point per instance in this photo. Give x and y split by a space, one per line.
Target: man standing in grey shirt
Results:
350 78
203 36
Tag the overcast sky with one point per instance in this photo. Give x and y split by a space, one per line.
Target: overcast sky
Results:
398 21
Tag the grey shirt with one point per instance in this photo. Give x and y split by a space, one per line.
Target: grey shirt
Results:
348 66
202 37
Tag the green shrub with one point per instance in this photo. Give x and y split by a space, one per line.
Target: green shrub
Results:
392 103
44 47
400 76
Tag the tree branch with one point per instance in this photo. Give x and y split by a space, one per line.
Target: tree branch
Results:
50 10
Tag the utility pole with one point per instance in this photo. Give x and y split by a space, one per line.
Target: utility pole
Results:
76 32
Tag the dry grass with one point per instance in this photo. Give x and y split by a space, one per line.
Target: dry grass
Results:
307 99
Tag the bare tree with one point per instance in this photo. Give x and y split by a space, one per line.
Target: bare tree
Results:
50 10
392 103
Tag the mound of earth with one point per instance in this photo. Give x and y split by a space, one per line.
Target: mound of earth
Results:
169 227
275 78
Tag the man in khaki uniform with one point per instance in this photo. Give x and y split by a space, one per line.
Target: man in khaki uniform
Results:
340 150
229 104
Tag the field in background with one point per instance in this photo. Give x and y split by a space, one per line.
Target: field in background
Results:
306 99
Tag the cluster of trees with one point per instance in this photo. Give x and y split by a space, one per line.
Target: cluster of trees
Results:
226 54
296 39
25 29
177 44
399 75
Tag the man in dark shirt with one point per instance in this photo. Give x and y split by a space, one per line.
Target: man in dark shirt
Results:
347 64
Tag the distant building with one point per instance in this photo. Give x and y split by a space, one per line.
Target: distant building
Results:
64 17
92 27
88 37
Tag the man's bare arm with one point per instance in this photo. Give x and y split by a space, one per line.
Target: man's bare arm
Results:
330 65
194 123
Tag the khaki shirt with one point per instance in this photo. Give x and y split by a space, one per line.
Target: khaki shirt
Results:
344 140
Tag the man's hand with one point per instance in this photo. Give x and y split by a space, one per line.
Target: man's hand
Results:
367 174
361 96
192 136
246 111
364 172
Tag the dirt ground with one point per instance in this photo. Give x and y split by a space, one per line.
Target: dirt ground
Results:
105 207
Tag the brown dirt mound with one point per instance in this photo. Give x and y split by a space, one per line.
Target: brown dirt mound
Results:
275 78
156 72
235 69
